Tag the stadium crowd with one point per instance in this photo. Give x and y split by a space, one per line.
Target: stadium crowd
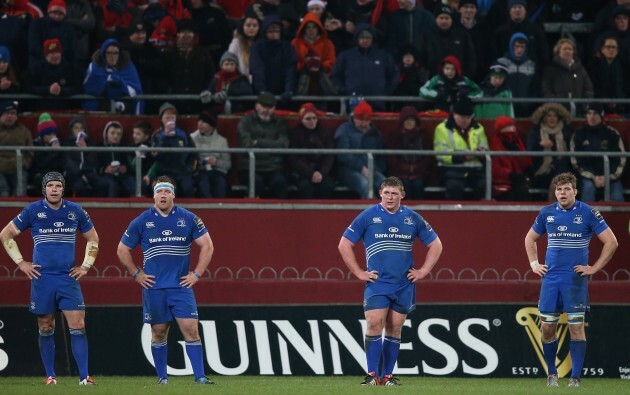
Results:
444 51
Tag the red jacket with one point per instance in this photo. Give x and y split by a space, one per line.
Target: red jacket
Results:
503 166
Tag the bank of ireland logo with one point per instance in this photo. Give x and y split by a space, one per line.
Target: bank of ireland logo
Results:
528 318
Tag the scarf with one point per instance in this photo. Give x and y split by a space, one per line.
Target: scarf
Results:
547 133
223 79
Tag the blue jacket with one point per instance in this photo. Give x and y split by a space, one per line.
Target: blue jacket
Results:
112 82
348 136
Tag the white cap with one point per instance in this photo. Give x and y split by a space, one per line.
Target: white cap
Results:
320 3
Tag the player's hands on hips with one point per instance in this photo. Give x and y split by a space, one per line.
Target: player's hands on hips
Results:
30 269
541 270
146 280
188 280
414 275
368 276
78 271
584 270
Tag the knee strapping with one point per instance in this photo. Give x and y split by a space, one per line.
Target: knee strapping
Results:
575 318
77 332
549 318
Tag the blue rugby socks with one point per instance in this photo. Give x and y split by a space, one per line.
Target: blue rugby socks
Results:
160 353
550 350
373 351
195 355
78 340
577 349
47 350
391 346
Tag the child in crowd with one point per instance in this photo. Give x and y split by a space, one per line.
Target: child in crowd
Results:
449 86
522 74
141 136
494 86
228 82
412 73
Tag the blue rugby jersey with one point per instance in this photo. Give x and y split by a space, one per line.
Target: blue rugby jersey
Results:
165 243
388 240
54 233
569 234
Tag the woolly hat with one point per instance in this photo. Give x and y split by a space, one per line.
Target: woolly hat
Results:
308 108
597 107
186 24
363 111
512 3
502 122
443 9
207 117
408 112
266 99
5 55
619 10
46 125
320 3
166 106
137 25
52 45
499 69
467 2
8 105
463 107
58 6
228 56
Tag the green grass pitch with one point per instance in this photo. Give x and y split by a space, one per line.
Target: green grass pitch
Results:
261 385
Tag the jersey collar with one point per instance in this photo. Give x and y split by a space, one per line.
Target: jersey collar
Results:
156 212
574 207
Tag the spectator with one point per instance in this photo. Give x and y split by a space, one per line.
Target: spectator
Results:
13 133
53 78
365 70
412 170
597 136
227 83
510 179
262 129
51 159
413 74
244 37
522 73
53 25
81 167
141 136
273 61
537 46
179 165
565 77
406 26
113 17
460 132
112 75
315 57
619 30
213 166
445 39
449 86
164 27
360 133
372 12
551 133
9 82
190 66
334 26
212 26
14 36
609 74
81 17
311 172
261 9
494 85
113 167
605 16
481 35
148 62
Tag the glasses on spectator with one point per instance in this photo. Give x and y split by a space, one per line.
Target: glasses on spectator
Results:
310 118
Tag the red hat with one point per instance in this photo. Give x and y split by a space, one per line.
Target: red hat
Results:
502 122
52 45
57 5
363 111
308 108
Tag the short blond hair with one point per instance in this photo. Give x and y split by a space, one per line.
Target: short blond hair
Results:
561 42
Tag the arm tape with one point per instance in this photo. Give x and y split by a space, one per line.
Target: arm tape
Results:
12 249
196 275
91 250
534 264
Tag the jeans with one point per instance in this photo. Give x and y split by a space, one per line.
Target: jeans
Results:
357 182
588 190
212 184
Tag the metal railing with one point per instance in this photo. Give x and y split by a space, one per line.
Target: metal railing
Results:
252 152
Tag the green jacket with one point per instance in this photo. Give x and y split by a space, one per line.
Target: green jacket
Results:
493 110
448 138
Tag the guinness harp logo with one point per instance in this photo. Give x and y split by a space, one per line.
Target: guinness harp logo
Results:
528 317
